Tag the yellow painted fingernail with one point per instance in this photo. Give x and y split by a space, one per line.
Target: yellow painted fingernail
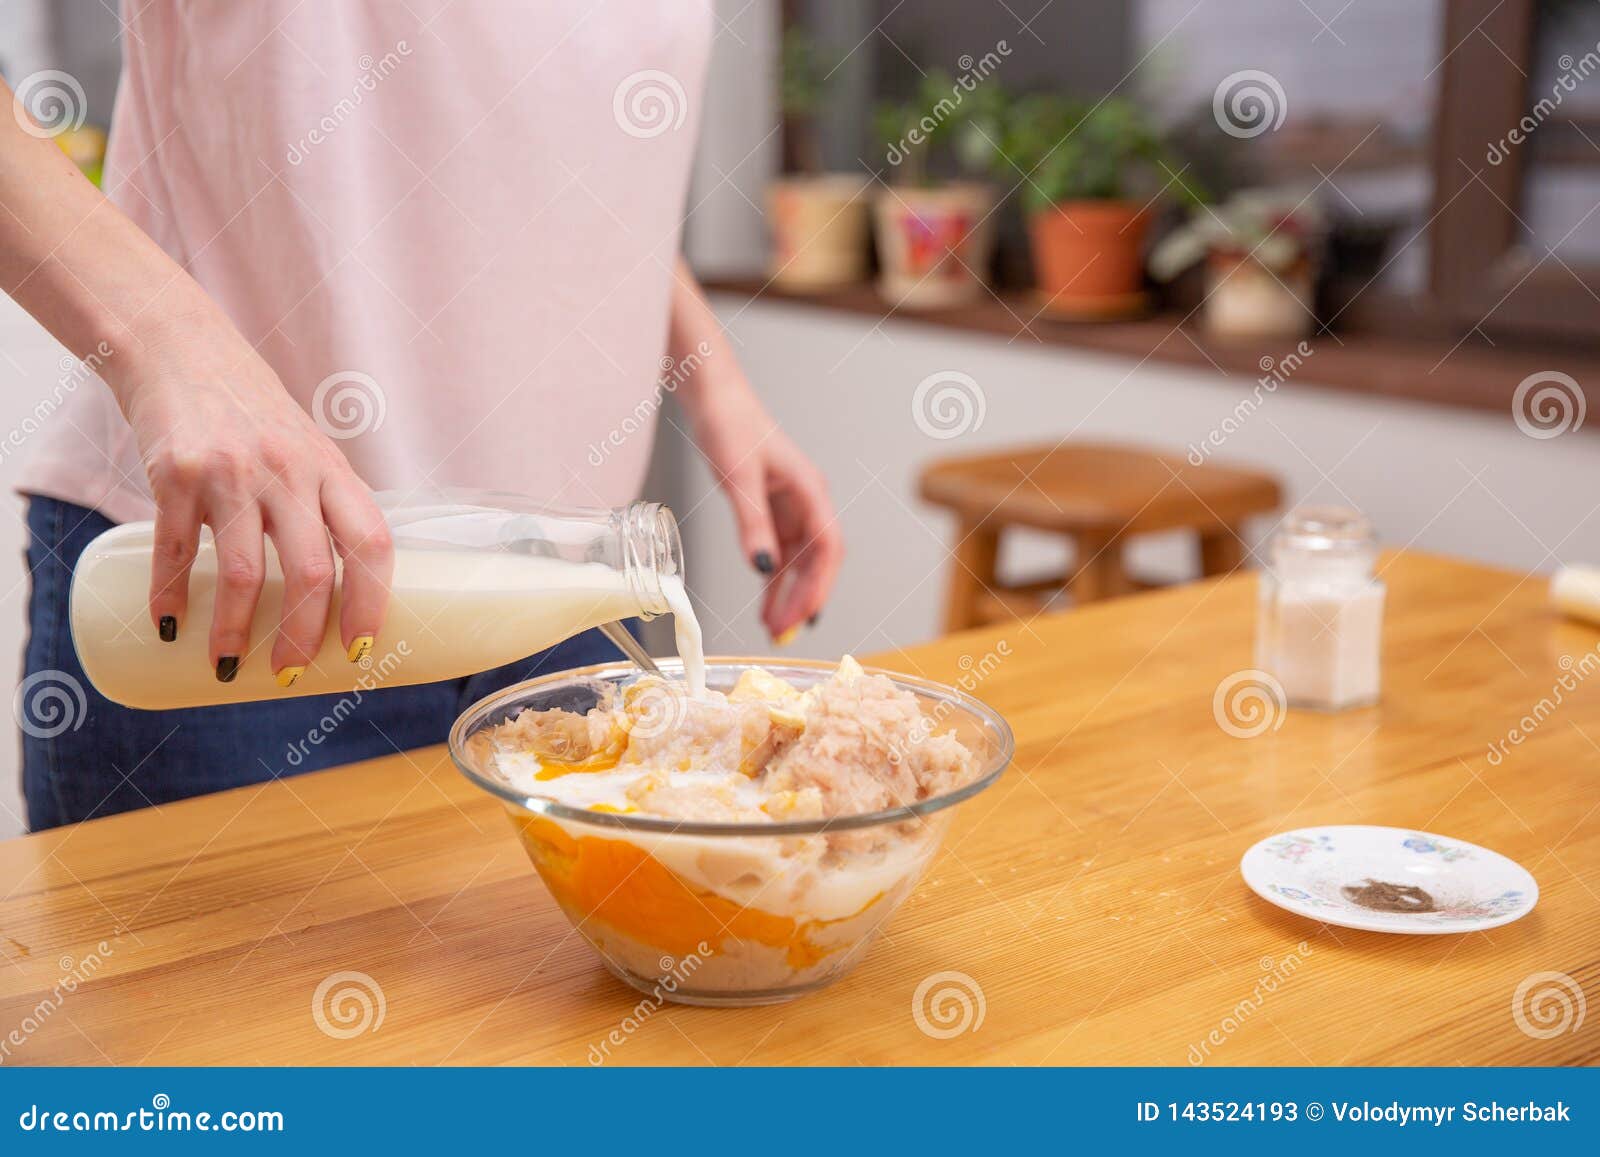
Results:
360 649
288 676
787 637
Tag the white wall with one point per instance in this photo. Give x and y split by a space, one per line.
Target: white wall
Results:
1452 481
725 231
25 41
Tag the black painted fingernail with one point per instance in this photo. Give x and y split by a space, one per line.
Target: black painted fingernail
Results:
227 668
762 561
169 629
812 621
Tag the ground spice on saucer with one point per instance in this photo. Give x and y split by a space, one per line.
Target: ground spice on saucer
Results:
1382 897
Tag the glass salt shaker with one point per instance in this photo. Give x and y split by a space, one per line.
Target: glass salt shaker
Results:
1319 623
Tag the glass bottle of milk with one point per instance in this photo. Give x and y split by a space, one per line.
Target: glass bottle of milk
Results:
480 580
1320 619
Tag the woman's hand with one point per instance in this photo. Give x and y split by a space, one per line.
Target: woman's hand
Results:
787 525
223 443
225 446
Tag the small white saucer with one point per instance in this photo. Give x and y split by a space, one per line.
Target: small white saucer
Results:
1388 880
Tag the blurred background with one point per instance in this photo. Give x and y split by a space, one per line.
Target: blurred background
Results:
1331 251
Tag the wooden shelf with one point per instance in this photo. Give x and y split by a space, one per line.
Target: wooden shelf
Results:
1471 374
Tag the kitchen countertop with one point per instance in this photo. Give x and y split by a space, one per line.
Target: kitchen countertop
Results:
1092 896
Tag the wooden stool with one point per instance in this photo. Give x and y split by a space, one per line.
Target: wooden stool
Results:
1097 495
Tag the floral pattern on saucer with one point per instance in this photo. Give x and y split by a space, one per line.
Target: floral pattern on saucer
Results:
1494 906
1300 896
1426 844
1295 847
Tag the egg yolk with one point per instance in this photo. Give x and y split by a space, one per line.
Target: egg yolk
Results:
600 761
622 885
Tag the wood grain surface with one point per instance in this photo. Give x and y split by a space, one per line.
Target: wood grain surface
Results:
1092 895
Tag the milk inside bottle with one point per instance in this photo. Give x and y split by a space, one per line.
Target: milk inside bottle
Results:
477 584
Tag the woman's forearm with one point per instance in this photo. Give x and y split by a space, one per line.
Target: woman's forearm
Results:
787 526
77 264
699 349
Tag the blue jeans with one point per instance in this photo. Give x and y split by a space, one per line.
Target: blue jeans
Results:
111 758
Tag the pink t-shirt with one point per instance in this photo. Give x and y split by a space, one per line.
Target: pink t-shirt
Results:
449 227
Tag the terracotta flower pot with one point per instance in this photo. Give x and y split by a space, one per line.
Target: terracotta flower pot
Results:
819 231
1088 257
934 245
1245 300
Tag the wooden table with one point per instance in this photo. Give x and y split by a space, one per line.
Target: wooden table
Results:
1093 894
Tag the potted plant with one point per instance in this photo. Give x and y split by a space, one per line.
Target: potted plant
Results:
818 219
1260 250
935 237
1092 173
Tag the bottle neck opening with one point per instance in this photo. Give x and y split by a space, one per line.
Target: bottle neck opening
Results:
652 551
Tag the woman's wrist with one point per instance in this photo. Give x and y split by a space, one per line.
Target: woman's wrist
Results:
155 347
724 399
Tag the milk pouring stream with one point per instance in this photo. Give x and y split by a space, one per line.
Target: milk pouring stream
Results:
477 584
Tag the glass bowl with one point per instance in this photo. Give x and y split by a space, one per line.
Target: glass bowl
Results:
726 913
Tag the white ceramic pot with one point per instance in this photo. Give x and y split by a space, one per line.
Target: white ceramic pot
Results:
1245 300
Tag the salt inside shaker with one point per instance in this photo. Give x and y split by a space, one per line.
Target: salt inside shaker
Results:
1320 619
